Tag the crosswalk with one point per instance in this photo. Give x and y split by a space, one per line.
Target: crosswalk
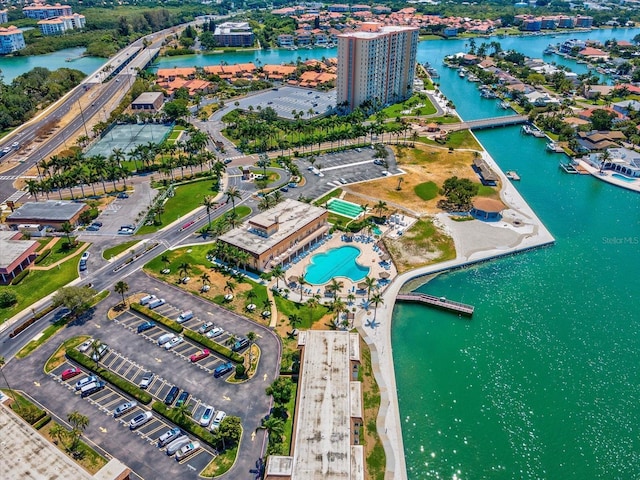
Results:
16 177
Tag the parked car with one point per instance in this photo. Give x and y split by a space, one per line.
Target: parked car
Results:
165 338
215 332
177 444
85 381
205 327
240 344
140 420
173 342
187 450
169 436
171 396
83 266
92 228
148 325
205 420
223 369
156 303
199 355
91 388
184 316
97 223
125 231
284 189
123 195
102 350
85 256
182 398
227 161
217 420
85 345
146 380
124 408
146 299
377 161
70 373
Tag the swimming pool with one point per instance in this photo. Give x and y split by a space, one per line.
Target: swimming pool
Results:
342 207
376 230
337 262
623 178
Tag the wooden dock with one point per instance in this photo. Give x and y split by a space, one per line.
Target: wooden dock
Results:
438 302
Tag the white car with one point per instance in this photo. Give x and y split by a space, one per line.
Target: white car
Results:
173 342
205 420
85 345
217 420
215 332
205 327
140 420
85 381
124 408
85 256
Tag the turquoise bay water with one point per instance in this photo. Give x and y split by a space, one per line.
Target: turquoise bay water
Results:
11 67
542 383
337 262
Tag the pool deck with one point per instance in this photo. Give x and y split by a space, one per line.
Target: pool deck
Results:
607 176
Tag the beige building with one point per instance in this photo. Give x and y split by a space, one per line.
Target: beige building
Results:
276 236
376 64
326 435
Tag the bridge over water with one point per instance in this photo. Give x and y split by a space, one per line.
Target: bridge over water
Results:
487 123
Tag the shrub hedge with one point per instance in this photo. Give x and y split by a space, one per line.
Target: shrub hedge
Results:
124 385
185 423
167 322
43 255
18 278
42 422
214 346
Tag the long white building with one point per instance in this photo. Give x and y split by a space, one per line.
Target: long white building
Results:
58 25
376 65
42 10
11 40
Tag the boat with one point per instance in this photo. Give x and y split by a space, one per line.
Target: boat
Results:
537 133
486 93
526 129
461 74
554 147
568 168
512 175
505 105
472 78
549 50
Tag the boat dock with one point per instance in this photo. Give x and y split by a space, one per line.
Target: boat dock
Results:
438 302
512 175
568 168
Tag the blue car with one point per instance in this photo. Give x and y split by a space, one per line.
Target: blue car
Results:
222 369
143 327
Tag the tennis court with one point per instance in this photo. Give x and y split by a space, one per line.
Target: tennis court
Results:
127 137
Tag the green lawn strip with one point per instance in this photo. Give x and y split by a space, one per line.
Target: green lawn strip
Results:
307 316
462 139
288 424
194 256
332 194
185 423
486 191
26 409
113 378
166 321
187 198
211 345
118 249
410 105
37 286
57 358
221 464
241 211
52 329
59 251
426 191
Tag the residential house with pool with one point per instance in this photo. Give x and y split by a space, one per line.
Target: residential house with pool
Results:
278 235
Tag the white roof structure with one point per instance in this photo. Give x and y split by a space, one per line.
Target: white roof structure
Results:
10 249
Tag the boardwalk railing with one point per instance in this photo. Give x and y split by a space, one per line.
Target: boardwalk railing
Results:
487 123
438 302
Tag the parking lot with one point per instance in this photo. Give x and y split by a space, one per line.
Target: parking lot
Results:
107 399
286 99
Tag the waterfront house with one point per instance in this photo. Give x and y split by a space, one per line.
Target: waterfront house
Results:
541 99
597 141
626 106
285 40
487 176
624 161
593 53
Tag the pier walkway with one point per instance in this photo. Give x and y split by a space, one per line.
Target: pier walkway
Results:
438 302
486 123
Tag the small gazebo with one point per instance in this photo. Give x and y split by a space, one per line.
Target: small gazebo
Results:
487 209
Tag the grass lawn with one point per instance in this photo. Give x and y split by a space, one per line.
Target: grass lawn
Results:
410 106
220 464
187 198
60 251
462 139
308 316
241 210
487 191
288 424
114 251
58 357
332 194
374 451
426 191
38 284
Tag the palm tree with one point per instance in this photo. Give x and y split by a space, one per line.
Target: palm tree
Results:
184 269
251 336
209 203
274 426
232 193
302 282
33 187
57 432
166 260
335 286
205 279
376 300
79 423
312 304
229 286
370 285
338 306
95 349
351 298
67 228
277 272
380 207
182 411
251 295
121 287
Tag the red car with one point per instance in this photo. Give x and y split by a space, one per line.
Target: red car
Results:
70 373
199 355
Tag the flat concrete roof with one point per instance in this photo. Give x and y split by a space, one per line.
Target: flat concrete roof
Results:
322 449
51 210
147 98
279 466
26 454
384 30
291 215
10 250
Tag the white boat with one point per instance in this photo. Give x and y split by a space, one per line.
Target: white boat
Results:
554 147
504 104
526 129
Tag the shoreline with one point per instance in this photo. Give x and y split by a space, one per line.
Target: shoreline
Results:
389 425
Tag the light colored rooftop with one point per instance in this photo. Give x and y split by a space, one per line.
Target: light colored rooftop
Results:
26 454
380 32
322 447
53 210
10 250
292 216
279 466
148 97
